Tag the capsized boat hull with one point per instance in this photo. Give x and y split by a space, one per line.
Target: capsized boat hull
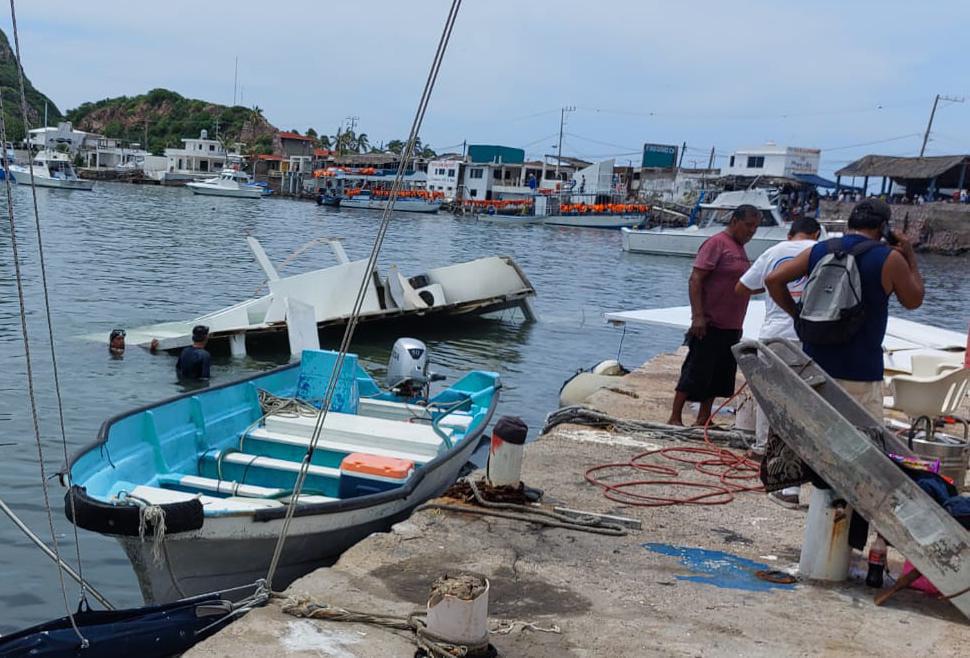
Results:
233 551
594 221
686 241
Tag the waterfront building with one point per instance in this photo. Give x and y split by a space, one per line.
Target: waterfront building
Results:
444 175
501 172
293 144
773 161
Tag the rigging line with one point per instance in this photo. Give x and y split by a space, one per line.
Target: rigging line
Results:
601 143
18 274
361 293
47 309
879 141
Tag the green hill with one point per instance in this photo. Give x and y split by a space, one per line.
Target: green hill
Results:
170 117
10 85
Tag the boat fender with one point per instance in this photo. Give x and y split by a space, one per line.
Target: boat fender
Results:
609 367
108 519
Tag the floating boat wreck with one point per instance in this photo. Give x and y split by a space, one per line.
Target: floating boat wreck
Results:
325 298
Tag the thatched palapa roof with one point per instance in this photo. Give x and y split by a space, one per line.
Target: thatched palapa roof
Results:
903 168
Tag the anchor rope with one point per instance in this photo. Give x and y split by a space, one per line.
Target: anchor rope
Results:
31 394
406 156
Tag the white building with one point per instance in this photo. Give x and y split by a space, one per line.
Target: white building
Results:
63 135
497 180
198 156
444 176
772 160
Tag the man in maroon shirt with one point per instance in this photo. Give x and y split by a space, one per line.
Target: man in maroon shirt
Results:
717 315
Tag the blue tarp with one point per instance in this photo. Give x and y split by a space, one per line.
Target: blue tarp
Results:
815 180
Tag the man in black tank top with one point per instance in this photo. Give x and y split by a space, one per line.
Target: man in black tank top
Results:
194 361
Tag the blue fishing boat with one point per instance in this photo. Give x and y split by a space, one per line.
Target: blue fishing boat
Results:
195 488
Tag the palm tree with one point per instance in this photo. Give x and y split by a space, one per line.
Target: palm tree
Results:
361 143
395 146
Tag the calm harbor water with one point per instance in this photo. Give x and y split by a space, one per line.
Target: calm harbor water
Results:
123 256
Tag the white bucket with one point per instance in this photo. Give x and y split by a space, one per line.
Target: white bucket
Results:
460 621
504 467
745 418
825 551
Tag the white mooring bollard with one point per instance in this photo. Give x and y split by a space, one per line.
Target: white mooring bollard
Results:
825 550
458 611
505 454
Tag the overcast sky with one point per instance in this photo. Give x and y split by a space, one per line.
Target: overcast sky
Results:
828 74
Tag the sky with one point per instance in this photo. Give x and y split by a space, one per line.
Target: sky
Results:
850 78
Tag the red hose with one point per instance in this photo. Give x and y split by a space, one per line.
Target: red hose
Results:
731 469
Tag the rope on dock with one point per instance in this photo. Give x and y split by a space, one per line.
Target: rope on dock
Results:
307 607
644 429
528 513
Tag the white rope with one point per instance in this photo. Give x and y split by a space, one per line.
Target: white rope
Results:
406 156
154 515
30 376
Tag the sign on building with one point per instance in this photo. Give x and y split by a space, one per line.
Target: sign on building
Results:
659 156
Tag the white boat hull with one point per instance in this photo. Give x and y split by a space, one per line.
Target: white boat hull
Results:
206 189
511 220
22 177
686 241
594 221
230 551
400 205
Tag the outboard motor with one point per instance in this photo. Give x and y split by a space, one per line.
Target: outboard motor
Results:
407 369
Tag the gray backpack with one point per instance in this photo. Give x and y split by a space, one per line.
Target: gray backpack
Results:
831 311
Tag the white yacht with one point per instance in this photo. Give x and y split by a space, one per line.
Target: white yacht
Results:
50 169
232 183
684 241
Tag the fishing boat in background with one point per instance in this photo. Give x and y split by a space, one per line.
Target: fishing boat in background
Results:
220 465
712 218
594 213
50 169
231 182
407 201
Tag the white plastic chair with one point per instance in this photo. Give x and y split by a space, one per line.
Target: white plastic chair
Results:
931 364
931 397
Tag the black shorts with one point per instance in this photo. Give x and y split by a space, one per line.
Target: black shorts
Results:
709 369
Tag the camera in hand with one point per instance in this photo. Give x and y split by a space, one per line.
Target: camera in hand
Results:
887 234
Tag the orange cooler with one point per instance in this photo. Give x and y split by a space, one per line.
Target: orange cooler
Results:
362 474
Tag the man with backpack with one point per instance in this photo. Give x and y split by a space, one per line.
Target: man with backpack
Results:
844 309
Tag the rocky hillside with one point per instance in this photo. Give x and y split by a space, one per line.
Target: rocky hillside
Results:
170 117
10 86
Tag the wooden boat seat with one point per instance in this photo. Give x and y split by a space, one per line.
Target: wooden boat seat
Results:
400 411
350 433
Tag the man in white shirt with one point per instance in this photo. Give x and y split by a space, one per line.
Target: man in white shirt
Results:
802 235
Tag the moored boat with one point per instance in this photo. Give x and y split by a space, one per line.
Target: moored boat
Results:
49 169
685 241
369 200
231 183
219 466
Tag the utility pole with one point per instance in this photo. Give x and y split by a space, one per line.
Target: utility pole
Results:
929 125
235 80
562 121
145 145
710 160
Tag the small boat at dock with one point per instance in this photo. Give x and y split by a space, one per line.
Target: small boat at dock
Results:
50 169
219 465
375 200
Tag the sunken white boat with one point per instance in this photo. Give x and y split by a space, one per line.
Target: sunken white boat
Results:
325 298
220 465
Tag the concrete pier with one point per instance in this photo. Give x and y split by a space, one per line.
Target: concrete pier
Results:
681 586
